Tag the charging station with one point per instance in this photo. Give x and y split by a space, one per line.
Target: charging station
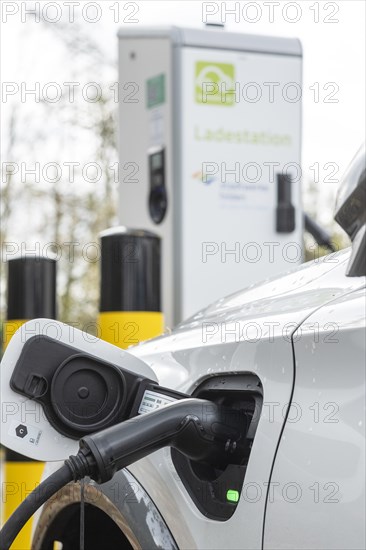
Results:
210 125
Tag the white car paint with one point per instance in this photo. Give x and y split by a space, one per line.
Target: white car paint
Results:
321 458
183 359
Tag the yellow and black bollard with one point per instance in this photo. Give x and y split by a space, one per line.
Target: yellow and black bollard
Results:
130 294
31 294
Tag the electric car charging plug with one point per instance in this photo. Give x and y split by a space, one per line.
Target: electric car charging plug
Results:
201 430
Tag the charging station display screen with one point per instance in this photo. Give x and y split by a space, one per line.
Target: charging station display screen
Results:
158 195
157 161
157 169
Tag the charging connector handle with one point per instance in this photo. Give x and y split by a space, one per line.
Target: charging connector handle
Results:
200 429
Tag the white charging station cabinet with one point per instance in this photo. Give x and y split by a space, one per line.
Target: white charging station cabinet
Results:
209 145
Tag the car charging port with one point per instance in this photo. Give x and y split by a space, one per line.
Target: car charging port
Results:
216 490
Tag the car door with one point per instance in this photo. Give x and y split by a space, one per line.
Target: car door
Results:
317 498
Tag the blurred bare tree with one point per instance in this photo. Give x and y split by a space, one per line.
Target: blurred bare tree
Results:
71 212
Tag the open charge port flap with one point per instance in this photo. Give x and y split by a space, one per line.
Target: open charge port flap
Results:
216 492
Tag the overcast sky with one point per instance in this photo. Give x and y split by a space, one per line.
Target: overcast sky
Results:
332 35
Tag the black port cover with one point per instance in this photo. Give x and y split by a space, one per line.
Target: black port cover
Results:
80 393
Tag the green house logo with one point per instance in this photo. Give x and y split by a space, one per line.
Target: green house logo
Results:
215 83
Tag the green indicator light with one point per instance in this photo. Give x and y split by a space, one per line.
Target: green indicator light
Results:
232 496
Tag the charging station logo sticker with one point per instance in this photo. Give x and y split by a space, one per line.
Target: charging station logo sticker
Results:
215 83
155 91
29 434
202 177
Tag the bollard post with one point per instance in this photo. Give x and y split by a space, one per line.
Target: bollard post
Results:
31 294
130 286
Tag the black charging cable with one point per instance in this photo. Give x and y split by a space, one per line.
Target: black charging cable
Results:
201 430
321 235
34 500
